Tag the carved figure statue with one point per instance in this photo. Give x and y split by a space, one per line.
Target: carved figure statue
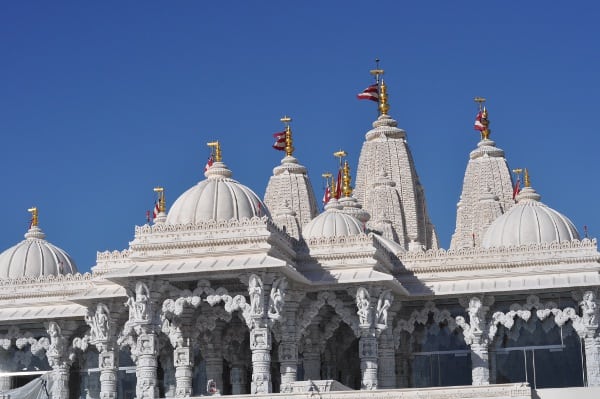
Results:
474 314
589 308
383 304
277 297
256 295
362 303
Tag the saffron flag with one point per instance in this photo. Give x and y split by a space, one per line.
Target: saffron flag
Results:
279 141
209 163
326 195
370 93
517 187
478 124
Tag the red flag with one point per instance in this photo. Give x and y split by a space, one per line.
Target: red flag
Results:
209 163
370 93
326 195
478 124
338 186
517 187
148 216
156 210
279 141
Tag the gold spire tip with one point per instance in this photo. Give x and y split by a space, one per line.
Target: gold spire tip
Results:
286 119
326 175
346 180
289 143
517 171
340 154
216 147
162 203
526 179
158 189
34 215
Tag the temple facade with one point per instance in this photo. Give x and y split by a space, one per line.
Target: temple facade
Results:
229 294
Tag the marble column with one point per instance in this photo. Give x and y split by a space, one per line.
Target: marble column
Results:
260 345
589 333
146 365
260 336
183 371
387 361
288 348
367 350
108 363
58 358
475 334
480 371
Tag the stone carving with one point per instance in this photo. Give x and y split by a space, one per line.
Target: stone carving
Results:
383 304
138 305
99 322
589 309
255 289
363 303
277 298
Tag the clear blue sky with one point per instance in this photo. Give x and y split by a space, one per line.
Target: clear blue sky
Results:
102 101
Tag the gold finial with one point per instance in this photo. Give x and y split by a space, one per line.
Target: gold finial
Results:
34 216
340 154
377 72
526 178
483 119
480 101
384 107
289 148
162 203
216 147
346 179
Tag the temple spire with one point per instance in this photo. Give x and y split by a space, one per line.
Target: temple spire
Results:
162 203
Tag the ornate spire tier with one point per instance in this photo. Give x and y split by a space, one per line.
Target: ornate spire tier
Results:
487 193
386 149
290 187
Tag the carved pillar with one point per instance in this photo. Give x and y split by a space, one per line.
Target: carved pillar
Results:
260 337
288 348
367 344
589 333
6 364
311 354
108 363
143 324
182 360
387 361
58 358
475 334
102 336
5 383
213 356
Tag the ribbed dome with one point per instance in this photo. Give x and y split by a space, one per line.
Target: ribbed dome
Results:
529 222
333 223
217 198
35 257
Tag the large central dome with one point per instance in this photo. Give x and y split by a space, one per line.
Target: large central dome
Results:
217 198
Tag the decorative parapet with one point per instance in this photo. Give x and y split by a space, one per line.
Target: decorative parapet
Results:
27 288
109 260
521 256
207 237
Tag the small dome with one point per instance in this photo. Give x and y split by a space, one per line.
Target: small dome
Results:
529 222
217 198
334 222
35 257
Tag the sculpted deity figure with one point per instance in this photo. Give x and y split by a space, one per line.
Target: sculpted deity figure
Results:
256 295
383 304
277 297
138 305
589 309
362 303
99 323
474 310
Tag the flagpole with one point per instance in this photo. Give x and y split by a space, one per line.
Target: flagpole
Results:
377 72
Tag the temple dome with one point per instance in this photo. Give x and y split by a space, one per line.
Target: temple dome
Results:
217 198
529 222
334 222
35 257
